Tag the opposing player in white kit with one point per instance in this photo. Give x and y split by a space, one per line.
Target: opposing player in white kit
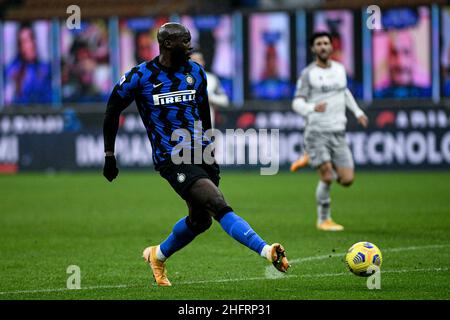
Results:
322 98
216 94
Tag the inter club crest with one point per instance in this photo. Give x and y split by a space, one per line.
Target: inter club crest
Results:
181 177
189 79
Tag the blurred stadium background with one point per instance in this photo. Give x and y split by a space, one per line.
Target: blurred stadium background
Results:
55 80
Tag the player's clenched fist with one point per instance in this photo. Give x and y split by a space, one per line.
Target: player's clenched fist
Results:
320 107
110 170
363 120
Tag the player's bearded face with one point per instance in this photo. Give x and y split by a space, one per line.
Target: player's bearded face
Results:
322 48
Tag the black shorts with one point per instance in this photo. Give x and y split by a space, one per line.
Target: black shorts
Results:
182 176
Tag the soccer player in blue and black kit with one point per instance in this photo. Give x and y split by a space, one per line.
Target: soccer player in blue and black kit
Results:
170 94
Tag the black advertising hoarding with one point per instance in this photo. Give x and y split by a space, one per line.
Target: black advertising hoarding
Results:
410 138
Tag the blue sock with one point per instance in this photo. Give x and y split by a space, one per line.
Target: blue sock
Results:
181 235
240 230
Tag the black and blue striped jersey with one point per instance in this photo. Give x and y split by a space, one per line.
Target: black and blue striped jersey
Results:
167 100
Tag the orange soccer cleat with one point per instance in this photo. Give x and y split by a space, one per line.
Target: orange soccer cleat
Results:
277 256
300 162
158 267
329 225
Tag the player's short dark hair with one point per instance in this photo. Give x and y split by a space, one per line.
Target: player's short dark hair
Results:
170 30
316 35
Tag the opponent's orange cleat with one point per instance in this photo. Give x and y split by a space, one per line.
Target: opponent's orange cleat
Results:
329 225
300 163
158 267
277 256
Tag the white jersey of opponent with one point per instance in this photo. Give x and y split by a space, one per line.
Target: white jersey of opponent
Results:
216 95
317 84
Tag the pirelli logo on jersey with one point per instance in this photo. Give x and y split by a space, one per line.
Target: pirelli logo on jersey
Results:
173 97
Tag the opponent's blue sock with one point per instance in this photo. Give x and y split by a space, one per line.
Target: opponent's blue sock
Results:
181 235
240 230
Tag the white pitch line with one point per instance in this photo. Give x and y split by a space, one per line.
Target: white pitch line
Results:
322 275
117 286
282 276
271 273
333 255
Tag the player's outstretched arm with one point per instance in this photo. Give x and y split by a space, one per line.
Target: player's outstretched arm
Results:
353 106
116 104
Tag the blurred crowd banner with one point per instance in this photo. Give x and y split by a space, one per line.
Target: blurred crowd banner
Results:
398 138
256 55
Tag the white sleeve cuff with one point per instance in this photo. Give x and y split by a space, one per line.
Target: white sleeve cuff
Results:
302 107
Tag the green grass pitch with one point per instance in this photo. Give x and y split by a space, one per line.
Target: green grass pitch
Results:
48 222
